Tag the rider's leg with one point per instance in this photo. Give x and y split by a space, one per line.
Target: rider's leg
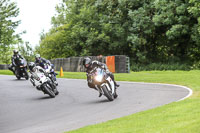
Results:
54 74
112 77
10 67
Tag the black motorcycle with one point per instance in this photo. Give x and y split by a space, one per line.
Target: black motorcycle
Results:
21 69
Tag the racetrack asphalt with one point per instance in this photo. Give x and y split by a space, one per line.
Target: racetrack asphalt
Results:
23 109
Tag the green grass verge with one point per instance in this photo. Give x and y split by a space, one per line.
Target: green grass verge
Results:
177 117
6 72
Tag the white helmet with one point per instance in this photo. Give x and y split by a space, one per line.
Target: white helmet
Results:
37 56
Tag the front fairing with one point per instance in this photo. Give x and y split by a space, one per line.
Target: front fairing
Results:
39 78
98 76
22 64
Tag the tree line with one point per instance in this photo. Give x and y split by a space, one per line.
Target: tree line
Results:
9 39
148 31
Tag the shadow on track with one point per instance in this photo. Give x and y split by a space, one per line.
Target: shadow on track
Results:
99 101
42 98
19 80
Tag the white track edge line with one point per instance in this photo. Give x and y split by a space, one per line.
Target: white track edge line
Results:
190 90
181 86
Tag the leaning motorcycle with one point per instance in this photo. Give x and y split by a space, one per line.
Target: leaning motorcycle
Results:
44 83
49 69
21 69
103 83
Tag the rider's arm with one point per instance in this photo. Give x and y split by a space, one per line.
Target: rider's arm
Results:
45 60
101 65
13 61
89 78
88 74
20 56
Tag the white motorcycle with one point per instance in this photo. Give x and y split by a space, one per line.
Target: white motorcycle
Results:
103 83
43 82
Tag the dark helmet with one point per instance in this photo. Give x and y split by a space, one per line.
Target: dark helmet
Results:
37 57
31 65
15 52
86 62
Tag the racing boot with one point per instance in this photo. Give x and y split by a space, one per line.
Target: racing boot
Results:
116 84
115 94
56 83
100 94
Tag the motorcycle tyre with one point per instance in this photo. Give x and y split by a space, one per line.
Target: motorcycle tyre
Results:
26 75
18 77
56 92
115 95
49 92
107 93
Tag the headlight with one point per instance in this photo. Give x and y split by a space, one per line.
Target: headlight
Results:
21 66
38 79
99 78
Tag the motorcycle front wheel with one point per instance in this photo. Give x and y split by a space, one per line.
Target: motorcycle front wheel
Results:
107 93
48 90
17 75
56 92
26 75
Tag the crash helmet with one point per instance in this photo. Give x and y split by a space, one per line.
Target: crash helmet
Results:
37 57
87 62
15 52
31 65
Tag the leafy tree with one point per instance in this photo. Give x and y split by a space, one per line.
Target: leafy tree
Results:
27 51
148 31
8 11
194 10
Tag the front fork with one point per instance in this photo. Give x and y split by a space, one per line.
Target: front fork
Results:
98 88
32 81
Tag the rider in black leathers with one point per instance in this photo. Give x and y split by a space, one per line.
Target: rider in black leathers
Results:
90 65
15 61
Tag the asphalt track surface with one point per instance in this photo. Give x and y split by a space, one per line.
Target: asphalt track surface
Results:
23 109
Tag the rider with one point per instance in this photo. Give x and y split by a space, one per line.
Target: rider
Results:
15 60
90 65
39 61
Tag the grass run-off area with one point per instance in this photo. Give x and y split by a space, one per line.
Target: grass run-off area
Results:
176 117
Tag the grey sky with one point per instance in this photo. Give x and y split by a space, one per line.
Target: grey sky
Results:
35 16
